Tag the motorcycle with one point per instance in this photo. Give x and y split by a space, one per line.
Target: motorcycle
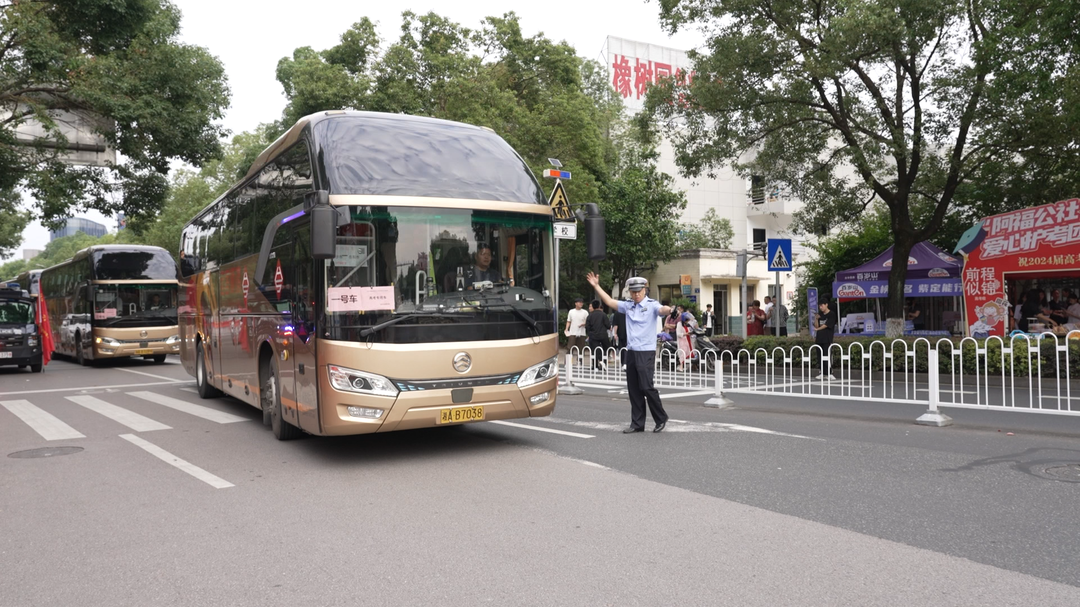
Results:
703 350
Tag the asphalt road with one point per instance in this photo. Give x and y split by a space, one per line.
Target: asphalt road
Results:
120 486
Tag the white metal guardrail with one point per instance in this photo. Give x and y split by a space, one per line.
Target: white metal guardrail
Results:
1030 373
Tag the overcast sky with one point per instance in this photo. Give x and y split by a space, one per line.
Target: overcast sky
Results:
250 37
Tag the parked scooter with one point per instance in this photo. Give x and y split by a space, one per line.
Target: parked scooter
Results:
704 349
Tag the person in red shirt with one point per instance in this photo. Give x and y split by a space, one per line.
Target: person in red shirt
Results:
755 319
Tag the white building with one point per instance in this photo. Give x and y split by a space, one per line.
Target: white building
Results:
756 211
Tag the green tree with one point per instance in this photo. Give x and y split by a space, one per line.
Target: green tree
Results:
190 192
641 213
12 269
155 99
711 232
13 221
900 102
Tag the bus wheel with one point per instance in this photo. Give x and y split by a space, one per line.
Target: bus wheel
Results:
271 401
158 359
202 381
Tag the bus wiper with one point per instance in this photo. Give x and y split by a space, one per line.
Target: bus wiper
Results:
393 321
529 320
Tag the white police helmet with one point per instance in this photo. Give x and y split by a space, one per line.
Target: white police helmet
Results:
636 283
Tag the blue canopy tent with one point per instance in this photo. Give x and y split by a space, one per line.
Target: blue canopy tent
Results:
931 273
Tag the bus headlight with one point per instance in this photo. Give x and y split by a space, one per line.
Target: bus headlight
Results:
31 340
538 373
107 341
172 341
351 380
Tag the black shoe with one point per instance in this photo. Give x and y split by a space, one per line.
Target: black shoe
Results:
659 427
632 430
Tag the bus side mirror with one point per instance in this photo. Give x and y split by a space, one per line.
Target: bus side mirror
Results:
595 233
323 225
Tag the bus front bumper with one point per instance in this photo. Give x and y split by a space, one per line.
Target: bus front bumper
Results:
113 349
350 413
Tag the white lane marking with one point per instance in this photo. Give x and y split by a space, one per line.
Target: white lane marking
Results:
685 394
192 390
44 423
150 375
539 429
742 428
204 476
192 409
83 388
120 415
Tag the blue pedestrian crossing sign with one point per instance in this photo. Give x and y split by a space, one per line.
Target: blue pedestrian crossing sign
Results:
778 254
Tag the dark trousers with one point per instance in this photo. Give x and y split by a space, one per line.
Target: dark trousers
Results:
599 356
639 381
823 364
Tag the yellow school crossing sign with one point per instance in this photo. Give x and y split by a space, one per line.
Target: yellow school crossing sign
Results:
560 204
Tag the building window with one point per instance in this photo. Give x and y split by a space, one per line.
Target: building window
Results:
670 293
759 237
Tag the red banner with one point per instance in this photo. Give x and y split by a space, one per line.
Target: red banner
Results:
1043 240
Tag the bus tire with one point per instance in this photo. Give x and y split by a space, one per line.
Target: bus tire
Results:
202 380
271 401
158 359
36 368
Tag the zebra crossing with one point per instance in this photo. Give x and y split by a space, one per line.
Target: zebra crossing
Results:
51 428
44 418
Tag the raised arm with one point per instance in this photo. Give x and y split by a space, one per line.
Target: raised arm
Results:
609 301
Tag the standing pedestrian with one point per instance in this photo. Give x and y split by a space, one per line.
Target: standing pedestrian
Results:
710 321
755 319
825 327
596 329
575 329
779 317
641 313
767 309
671 321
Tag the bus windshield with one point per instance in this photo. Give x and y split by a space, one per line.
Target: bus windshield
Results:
148 304
456 274
392 156
133 265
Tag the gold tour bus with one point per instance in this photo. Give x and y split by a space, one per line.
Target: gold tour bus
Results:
113 301
29 281
375 272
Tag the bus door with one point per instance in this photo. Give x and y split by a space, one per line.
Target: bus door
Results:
303 342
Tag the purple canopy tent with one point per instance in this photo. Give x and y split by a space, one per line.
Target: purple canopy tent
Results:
931 273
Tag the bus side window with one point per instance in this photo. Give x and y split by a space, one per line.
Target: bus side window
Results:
303 317
281 255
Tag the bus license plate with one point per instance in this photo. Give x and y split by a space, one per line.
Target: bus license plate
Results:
461 414
8 355
146 351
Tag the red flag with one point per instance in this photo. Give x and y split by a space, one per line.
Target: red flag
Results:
44 332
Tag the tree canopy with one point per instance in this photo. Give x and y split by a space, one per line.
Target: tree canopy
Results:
711 232
920 106
155 100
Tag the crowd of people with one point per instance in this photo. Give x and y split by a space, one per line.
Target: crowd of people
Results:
1033 307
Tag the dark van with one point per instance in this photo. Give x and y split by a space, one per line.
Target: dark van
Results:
20 340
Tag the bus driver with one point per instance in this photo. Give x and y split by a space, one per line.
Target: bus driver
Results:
482 270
